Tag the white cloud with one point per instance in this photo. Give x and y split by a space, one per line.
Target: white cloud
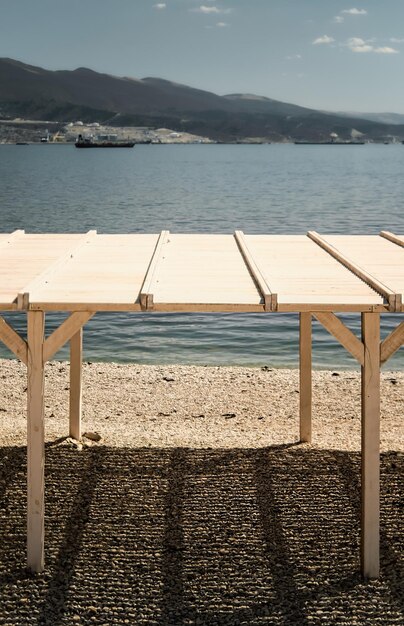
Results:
385 50
355 41
355 11
396 40
292 57
221 24
209 10
356 44
159 6
338 19
324 39
364 48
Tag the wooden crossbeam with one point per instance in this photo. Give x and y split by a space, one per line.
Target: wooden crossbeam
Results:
391 297
392 343
43 278
64 333
146 292
345 336
270 298
13 341
11 237
392 237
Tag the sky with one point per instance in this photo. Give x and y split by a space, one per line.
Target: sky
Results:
334 55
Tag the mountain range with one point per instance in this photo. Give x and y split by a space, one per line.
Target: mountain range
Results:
32 92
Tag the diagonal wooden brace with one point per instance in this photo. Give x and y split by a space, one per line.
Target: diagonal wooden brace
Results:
345 336
13 341
64 333
392 343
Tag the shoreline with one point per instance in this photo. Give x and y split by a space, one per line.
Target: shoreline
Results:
214 407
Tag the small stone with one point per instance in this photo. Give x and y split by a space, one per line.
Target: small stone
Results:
92 436
168 379
228 415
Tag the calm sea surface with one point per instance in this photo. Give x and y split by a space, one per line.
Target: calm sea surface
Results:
211 189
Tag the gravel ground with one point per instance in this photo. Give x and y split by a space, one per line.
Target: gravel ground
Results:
198 506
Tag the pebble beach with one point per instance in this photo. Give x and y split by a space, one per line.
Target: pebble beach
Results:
190 501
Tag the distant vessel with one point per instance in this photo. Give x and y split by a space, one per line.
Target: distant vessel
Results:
107 141
329 143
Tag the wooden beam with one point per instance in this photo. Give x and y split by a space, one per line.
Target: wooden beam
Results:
270 298
370 518
345 336
76 348
383 290
392 343
392 237
13 341
11 237
64 333
146 292
35 442
43 278
305 377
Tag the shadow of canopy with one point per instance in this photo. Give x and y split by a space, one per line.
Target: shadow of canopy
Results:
184 536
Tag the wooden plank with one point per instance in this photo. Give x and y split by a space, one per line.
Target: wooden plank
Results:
64 333
370 518
111 271
204 272
11 237
27 258
35 442
270 298
305 377
13 341
345 336
45 276
300 272
392 343
370 280
392 237
146 292
76 361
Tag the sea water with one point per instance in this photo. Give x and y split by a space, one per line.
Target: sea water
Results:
204 189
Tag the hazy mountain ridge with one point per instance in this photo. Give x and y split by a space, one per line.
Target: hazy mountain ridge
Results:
66 95
383 118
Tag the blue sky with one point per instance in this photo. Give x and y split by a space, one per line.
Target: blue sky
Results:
326 54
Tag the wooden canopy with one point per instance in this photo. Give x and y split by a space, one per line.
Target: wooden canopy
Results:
313 275
173 272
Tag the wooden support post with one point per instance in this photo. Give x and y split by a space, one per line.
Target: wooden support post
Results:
76 348
305 377
35 441
370 446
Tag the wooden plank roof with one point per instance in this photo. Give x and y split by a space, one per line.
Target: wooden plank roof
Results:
194 272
